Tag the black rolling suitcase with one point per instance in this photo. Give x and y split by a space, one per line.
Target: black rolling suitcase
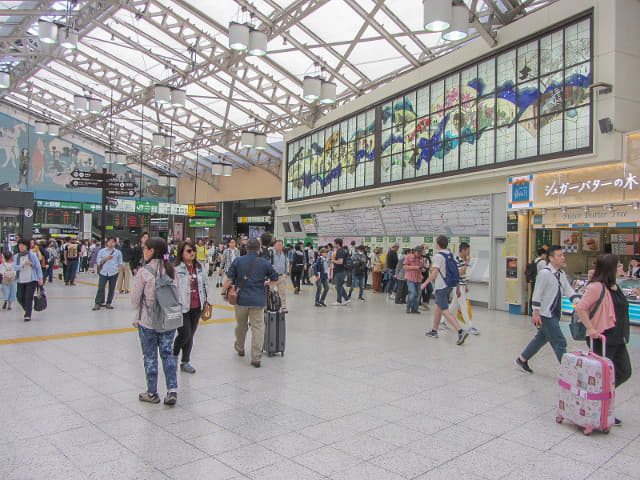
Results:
275 332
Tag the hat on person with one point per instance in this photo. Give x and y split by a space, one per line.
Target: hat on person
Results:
395 245
419 248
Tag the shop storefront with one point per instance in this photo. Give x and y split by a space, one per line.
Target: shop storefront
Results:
16 216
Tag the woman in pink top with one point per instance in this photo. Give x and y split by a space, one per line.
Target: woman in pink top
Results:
610 318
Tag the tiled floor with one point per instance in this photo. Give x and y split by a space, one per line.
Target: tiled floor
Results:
360 394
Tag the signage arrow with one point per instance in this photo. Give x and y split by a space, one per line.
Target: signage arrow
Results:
113 184
86 183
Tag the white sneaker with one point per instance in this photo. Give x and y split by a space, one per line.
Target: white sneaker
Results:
347 302
392 296
336 304
444 326
473 331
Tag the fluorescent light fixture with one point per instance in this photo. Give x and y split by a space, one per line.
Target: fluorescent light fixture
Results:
238 36
162 94
53 129
5 80
328 93
257 43
169 141
121 158
248 139
70 39
261 141
311 88
80 103
95 105
158 140
41 128
178 97
47 32
459 24
227 170
216 169
437 15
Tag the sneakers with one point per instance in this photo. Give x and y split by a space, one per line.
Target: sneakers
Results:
321 303
4 305
27 319
336 304
523 365
171 398
424 307
108 306
432 334
443 326
361 298
187 368
462 336
474 331
256 363
347 301
238 349
149 397
317 304
96 307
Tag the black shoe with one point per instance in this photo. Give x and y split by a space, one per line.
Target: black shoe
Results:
523 365
317 304
323 304
4 305
361 298
617 422
27 319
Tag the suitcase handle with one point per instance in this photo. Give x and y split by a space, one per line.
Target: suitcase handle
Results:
604 345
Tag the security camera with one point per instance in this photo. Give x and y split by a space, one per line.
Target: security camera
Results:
383 200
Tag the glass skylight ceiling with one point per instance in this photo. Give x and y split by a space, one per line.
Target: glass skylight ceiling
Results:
127 47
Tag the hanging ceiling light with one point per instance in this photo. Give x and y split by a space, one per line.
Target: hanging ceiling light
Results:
47 31
162 94
5 79
238 36
158 140
437 15
247 139
80 103
227 169
459 24
169 141
216 169
95 105
178 97
53 129
121 158
311 88
41 128
109 156
261 141
70 39
328 93
257 43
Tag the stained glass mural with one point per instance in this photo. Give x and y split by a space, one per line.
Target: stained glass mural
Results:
528 101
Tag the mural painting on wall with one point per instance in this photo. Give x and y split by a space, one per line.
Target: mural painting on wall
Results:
529 101
42 163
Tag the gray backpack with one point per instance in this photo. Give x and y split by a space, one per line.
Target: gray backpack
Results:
166 312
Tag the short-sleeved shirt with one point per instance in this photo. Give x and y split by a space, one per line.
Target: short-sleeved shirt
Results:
340 254
440 262
412 275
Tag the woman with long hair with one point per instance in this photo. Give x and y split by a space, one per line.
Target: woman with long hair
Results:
193 293
154 252
610 318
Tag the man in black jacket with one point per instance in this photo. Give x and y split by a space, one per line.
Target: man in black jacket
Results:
391 264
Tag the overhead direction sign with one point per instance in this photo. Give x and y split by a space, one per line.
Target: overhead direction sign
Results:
120 193
92 175
86 183
113 184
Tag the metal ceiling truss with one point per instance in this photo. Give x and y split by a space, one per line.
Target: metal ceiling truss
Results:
245 85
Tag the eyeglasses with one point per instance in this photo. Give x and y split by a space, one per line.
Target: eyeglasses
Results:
188 250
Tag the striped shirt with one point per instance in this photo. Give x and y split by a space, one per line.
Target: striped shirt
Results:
461 262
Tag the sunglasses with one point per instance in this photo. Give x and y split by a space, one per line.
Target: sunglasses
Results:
188 250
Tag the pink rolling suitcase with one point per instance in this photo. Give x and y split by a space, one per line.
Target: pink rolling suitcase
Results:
587 391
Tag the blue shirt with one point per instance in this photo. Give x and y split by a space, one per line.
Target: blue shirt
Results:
36 269
110 267
252 292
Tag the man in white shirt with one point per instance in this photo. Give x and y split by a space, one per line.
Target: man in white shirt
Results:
443 290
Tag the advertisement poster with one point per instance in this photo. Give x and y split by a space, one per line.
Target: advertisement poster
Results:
512 267
178 231
512 222
569 240
590 242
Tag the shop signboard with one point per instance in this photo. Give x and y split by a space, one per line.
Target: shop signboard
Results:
181 210
602 216
146 207
54 204
191 210
202 222
521 192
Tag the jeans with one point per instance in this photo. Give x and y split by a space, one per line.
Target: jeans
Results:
102 283
184 339
9 292
322 285
357 281
338 278
413 298
152 341
25 296
548 332
70 271
392 283
48 273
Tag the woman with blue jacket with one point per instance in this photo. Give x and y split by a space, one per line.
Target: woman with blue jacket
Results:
321 271
193 293
29 273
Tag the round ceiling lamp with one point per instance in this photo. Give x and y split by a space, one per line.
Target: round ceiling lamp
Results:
47 32
162 94
247 139
311 88
178 97
227 170
459 24
41 128
261 141
5 80
216 169
238 36
70 39
328 93
257 43
437 15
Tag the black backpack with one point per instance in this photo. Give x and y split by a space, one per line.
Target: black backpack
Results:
359 266
531 271
297 261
